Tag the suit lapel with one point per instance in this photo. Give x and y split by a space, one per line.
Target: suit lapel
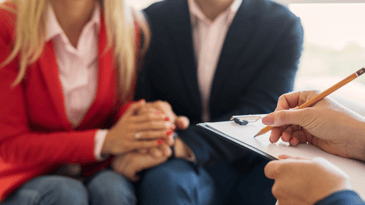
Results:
180 26
238 35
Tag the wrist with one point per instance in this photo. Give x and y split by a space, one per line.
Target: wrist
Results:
107 148
181 150
356 141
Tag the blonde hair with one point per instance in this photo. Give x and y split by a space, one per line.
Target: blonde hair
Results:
120 27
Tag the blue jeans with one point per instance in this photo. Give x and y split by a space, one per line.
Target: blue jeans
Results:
106 187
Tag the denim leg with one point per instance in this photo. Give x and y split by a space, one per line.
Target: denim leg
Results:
46 190
109 188
176 182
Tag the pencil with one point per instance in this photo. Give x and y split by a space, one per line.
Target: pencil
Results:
321 95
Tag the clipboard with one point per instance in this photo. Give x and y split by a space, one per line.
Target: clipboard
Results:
244 137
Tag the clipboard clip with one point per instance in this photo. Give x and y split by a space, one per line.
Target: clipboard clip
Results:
245 119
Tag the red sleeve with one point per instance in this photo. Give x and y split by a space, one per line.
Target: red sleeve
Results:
17 143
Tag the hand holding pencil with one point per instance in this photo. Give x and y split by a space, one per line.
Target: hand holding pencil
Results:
327 125
322 95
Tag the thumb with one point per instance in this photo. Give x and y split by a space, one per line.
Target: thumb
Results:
285 117
134 108
182 122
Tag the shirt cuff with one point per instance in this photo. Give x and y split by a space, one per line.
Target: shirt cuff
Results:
99 142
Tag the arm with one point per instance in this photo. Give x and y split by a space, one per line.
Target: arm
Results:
19 144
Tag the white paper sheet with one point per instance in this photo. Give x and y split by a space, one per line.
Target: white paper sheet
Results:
244 135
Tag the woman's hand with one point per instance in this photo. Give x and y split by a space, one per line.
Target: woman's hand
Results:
130 164
181 122
305 181
134 131
327 125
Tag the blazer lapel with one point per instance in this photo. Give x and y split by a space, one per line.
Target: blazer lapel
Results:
239 33
49 67
180 26
106 77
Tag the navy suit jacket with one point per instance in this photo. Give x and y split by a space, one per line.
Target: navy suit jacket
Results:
346 197
258 63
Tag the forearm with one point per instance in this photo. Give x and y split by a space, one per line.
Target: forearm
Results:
55 147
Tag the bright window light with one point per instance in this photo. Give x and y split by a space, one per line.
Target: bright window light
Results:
334 47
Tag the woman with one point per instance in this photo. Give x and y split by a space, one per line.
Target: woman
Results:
66 77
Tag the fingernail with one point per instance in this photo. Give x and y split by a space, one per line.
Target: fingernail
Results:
268 120
167 119
168 133
284 156
159 142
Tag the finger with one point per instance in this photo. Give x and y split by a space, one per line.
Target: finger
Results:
284 156
287 117
149 116
182 122
300 136
275 134
271 169
286 135
166 150
147 161
153 125
155 152
170 141
287 101
149 135
145 144
134 108
143 151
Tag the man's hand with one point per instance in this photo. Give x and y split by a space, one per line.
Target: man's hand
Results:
327 125
130 164
305 181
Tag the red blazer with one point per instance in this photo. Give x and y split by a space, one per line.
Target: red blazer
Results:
36 137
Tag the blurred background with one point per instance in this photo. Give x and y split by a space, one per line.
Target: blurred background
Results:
334 46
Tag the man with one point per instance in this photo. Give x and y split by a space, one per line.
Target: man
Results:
211 59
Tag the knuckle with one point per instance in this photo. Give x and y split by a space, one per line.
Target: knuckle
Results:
282 116
275 191
150 117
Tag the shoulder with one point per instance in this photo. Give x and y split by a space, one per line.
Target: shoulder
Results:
158 8
272 13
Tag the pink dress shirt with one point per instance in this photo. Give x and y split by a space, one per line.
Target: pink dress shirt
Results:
208 39
78 68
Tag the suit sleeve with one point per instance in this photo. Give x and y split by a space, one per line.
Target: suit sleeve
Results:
18 144
346 197
275 79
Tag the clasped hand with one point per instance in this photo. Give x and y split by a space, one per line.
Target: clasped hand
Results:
149 128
